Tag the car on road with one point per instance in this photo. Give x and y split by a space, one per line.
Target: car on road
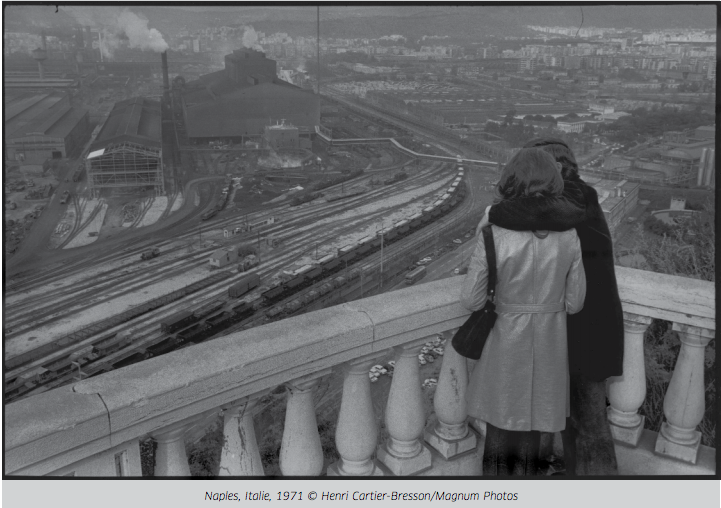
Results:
424 261
457 240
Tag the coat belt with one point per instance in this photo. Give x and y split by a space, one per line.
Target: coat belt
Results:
531 308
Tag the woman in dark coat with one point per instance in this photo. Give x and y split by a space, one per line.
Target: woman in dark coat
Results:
521 383
596 334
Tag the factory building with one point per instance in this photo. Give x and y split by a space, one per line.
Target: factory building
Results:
40 126
239 102
617 198
127 152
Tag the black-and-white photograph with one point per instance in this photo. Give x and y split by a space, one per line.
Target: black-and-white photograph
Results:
359 240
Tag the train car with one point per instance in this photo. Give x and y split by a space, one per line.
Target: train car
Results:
273 292
324 289
112 343
176 321
339 281
436 212
219 320
354 274
162 347
275 311
310 296
329 262
446 196
415 220
347 253
365 244
415 275
209 214
295 281
244 285
314 272
293 306
242 308
303 269
208 308
388 234
403 226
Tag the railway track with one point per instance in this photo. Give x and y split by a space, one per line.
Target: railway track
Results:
145 328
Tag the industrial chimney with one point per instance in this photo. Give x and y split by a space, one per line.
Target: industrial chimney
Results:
166 79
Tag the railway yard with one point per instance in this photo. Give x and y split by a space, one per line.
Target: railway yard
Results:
102 306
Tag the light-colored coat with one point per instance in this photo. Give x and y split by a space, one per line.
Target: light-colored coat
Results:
521 382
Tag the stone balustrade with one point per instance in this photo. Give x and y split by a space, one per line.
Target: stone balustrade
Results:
94 426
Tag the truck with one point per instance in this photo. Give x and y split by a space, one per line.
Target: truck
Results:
244 285
65 197
150 254
415 275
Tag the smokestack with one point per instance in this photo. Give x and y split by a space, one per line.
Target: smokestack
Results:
100 44
166 79
709 173
701 167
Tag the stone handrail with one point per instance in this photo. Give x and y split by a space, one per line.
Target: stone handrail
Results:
93 427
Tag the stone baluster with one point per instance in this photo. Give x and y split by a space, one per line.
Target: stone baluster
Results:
170 456
627 392
684 403
240 455
301 453
449 433
356 434
404 452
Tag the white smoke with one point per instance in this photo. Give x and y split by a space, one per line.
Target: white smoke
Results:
115 23
250 38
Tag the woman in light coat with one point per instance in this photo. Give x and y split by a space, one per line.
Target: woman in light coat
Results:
520 385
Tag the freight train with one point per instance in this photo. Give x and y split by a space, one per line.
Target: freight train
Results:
221 202
349 254
196 326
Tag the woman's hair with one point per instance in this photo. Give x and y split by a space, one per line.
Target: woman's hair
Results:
531 172
560 151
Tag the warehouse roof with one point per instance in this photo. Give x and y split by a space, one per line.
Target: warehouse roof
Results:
137 120
228 115
34 110
217 84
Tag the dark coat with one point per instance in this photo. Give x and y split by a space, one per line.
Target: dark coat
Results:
595 335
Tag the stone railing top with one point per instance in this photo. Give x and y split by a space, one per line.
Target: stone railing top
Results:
677 299
113 408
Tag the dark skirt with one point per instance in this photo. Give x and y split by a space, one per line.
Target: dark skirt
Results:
511 453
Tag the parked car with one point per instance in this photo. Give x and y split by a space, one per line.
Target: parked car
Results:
457 240
457 271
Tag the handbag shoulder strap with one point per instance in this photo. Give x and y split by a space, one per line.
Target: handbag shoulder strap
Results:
491 260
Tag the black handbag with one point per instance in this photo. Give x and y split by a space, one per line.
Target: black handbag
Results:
470 338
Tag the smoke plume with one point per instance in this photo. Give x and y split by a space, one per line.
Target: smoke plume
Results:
250 38
118 24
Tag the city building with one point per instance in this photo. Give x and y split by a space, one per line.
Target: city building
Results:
617 198
40 126
281 136
571 126
127 152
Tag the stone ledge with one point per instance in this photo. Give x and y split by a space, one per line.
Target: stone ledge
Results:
643 461
60 421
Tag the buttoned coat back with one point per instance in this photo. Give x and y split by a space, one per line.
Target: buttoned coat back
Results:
521 382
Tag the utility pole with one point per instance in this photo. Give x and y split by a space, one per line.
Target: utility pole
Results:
381 283
200 236
258 247
318 45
